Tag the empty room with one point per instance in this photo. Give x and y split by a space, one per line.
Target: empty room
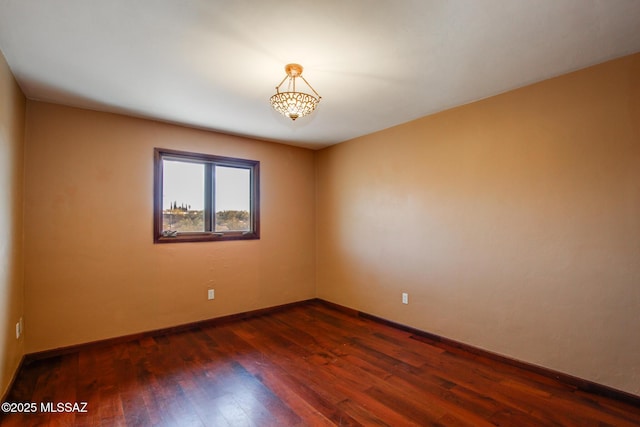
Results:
279 213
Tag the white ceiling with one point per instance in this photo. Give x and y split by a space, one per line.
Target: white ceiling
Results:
214 64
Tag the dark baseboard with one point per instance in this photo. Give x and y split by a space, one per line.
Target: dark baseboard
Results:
28 358
569 380
341 308
4 397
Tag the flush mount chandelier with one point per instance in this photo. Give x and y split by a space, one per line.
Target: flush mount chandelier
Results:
294 104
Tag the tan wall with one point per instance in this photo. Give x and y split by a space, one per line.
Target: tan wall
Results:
92 270
513 223
12 116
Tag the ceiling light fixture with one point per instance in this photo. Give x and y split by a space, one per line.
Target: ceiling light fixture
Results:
294 104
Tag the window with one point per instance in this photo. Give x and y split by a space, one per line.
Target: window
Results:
199 197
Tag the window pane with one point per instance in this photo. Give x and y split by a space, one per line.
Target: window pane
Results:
182 196
233 198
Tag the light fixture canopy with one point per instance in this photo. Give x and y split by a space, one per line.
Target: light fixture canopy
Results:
294 104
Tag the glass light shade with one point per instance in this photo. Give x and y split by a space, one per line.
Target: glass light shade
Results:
294 104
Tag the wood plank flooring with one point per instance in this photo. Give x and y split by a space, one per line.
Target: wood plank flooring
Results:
308 365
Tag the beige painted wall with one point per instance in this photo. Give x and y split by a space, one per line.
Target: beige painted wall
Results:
513 223
92 270
12 116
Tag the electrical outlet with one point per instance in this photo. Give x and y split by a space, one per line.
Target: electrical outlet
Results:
405 298
19 328
210 294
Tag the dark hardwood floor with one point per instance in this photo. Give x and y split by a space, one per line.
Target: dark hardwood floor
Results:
307 365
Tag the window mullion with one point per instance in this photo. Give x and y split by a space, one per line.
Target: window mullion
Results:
209 197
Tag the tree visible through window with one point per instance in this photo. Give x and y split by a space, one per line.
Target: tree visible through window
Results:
203 197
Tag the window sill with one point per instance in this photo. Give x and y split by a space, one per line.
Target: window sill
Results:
207 237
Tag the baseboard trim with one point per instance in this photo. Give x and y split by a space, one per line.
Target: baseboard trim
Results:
45 354
5 395
428 337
